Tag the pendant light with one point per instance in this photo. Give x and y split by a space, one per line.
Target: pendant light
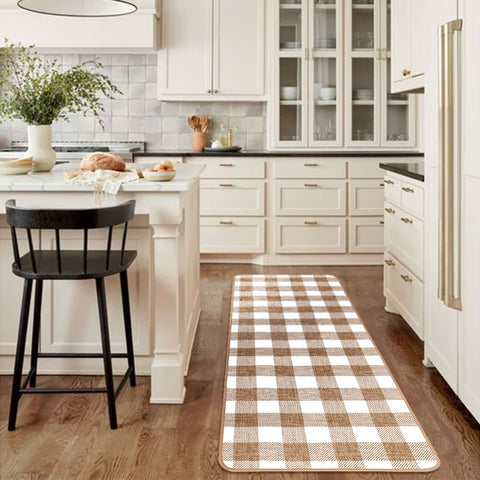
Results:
79 8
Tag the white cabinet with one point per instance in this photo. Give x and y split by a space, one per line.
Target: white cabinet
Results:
131 33
331 77
408 46
365 234
212 50
365 197
404 244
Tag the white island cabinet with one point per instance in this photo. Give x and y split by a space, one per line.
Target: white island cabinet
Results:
163 280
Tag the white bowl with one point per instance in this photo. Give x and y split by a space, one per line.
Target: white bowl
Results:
16 166
328 93
288 93
161 176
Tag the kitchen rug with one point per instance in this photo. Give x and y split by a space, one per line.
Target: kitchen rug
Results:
305 387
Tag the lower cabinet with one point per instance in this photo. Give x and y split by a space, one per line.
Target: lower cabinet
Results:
365 234
404 292
310 235
232 235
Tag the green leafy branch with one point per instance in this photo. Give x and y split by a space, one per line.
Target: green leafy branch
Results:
35 90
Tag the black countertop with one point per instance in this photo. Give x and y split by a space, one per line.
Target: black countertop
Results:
264 153
412 170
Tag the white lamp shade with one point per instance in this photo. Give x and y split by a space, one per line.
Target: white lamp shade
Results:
79 8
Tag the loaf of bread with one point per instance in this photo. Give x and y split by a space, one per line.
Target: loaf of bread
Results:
102 161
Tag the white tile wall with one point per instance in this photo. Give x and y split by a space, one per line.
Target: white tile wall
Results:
137 115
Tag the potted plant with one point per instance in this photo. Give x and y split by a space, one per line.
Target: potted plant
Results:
36 90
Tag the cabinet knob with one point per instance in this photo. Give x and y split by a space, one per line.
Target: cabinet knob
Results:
310 222
408 189
389 182
390 210
406 278
215 91
406 72
209 91
382 222
381 184
390 263
406 220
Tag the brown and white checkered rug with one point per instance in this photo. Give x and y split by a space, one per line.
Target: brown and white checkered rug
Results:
305 387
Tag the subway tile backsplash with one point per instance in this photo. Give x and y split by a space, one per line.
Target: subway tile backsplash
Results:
137 115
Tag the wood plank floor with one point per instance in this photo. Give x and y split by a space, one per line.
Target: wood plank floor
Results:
68 437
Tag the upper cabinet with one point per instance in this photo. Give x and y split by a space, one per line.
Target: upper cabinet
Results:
212 50
130 33
330 77
408 46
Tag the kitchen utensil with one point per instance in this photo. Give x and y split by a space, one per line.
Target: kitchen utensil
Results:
199 141
288 93
161 176
328 93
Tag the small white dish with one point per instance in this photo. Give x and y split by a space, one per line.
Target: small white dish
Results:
161 176
288 93
19 166
328 93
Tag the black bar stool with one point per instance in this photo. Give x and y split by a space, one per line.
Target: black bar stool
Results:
40 264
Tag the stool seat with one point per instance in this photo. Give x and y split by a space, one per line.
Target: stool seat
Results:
74 264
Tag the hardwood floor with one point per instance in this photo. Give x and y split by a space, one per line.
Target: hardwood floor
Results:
68 437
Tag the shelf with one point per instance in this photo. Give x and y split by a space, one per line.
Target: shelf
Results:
290 102
325 6
362 6
362 102
290 6
397 102
321 103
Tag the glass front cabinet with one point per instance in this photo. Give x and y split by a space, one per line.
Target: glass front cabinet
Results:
331 71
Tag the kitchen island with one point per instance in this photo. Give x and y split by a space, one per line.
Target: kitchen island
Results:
164 280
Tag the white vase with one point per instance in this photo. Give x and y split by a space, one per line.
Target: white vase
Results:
40 147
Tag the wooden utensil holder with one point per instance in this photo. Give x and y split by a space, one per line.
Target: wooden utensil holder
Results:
199 141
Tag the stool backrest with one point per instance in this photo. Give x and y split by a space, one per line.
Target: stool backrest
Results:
67 219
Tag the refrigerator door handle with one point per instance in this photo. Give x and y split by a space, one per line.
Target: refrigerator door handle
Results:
449 142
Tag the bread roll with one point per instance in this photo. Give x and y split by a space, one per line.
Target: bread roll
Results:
102 161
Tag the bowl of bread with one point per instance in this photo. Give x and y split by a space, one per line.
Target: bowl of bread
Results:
162 172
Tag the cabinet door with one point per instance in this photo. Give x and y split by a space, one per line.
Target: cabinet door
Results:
401 29
185 60
325 73
365 235
290 72
366 197
238 53
362 75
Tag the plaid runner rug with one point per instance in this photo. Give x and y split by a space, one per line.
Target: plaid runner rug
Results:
305 387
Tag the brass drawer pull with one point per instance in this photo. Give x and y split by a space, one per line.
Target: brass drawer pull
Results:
405 72
224 222
311 184
390 263
310 164
408 189
382 222
406 220
226 185
406 278
310 222
390 210
389 182
226 164
381 184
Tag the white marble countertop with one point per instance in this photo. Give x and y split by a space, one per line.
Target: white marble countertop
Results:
56 181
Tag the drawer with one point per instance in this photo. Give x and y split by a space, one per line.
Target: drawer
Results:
364 168
310 235
392 189
366 235
310 197
412 198
405 291
153 160
232 197
231 167
404 238
366 197
232 235
309 167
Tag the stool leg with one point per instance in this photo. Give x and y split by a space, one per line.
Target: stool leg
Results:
107 357
20 353
37 307
128 325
